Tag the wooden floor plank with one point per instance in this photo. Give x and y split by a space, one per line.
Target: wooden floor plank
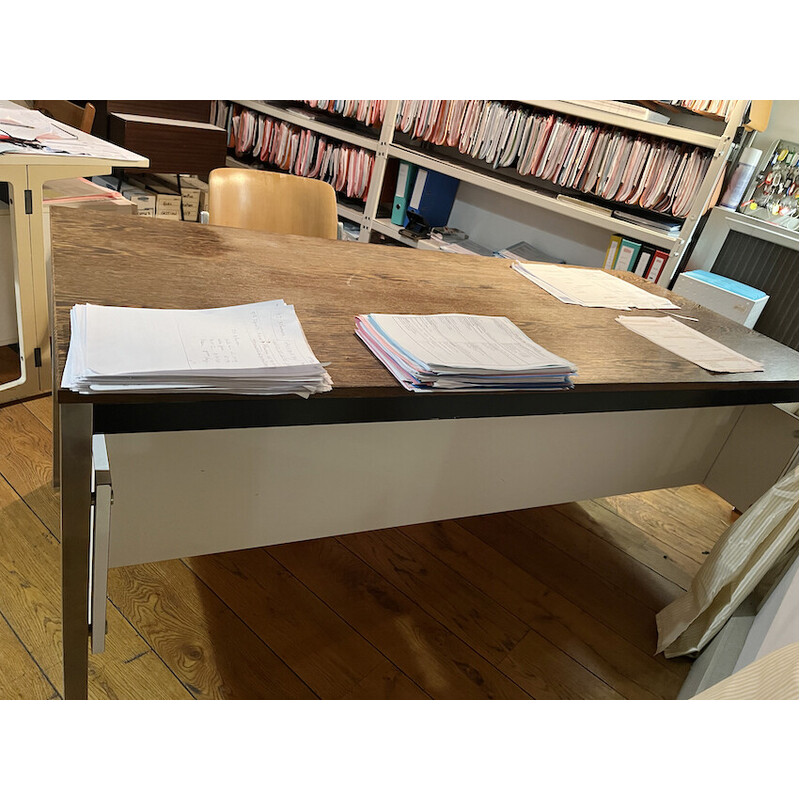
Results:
601 650
475 618
655 519
30 591
42 409
433 657
617 531
30 600
547 673
213 653
26 462
386 684
698 510
569 577
329 656
129 669
20 676
614 566
715 510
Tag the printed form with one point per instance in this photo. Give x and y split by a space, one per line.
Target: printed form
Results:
690 344
593 288
254 348
448 342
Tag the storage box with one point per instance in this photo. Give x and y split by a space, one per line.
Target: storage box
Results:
734 300
201 185
144 201
167 201
190 195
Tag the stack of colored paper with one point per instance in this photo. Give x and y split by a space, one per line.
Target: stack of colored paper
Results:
257 348
461 352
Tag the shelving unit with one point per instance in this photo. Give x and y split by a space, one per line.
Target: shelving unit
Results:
383 144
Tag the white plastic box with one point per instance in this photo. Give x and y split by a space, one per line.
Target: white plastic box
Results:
734 300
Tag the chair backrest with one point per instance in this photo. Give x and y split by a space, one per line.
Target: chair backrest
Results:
69 113
273 202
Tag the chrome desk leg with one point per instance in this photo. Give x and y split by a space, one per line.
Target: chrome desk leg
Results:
101 537
76 499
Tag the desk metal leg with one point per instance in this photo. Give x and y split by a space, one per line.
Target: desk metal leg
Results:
76 468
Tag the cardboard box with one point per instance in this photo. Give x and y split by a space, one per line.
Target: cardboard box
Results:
734 300
197 183
190 195
144 201
167 202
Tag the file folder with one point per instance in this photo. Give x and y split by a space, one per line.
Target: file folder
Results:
657 263
628 252
643 260
405 180
612 252
433 196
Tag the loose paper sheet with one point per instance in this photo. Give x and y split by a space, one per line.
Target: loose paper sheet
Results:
593 288
690 344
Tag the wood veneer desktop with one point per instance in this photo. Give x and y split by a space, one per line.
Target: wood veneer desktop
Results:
159 263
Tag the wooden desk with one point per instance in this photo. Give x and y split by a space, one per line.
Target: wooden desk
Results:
638 417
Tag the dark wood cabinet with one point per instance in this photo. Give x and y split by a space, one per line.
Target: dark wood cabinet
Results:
172 145
191 110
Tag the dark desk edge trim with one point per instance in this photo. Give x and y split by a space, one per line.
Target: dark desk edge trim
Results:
218 414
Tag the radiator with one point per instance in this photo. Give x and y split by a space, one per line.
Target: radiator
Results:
771 268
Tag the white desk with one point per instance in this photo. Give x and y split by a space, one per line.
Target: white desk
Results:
26 174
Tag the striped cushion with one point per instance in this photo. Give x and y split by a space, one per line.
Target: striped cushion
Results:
773 677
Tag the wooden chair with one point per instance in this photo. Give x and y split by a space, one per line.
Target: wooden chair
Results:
273 202
69 113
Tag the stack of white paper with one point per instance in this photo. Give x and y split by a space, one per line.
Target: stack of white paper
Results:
461 352
258 348
593 288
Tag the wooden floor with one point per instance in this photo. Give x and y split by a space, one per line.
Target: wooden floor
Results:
548 603
9 364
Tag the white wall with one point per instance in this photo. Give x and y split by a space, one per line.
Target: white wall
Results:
783 124
497 222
